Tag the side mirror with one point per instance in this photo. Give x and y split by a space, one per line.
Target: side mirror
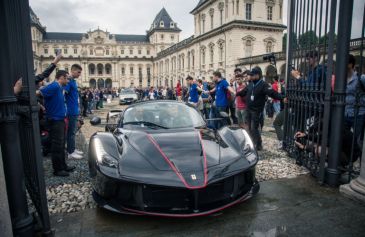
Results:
95 121
223 114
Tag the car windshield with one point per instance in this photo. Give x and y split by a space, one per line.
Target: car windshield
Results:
163 115
126 92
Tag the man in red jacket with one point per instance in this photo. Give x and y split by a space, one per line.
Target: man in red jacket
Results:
178 91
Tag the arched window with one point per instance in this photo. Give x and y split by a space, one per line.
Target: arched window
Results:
92 69
248 48
269 47
100 69
108 68
211 49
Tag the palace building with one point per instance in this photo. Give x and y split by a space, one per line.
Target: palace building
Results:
225 31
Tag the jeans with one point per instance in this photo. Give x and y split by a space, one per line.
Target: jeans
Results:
276 106
232 112
223 122
358 128
278 124
253 122
90 106
71 132
57 134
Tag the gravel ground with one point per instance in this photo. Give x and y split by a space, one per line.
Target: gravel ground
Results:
73 193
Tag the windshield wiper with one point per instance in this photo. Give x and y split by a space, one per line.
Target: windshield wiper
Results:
148 124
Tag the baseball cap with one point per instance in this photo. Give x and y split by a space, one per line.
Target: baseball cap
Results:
255 71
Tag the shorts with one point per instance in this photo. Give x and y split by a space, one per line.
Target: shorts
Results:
241 116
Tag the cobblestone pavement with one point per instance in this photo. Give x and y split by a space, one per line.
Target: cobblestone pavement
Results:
72 194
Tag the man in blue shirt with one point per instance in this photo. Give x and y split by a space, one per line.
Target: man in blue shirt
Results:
317 73
354 89
73 111
193 91
221 97
54 102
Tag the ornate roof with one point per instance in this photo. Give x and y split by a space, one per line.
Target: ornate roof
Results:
200 3
34 20
168 23
74 37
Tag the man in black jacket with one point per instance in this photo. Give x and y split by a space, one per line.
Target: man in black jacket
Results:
255 94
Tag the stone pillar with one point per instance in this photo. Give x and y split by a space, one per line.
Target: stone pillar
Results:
356 188
5 222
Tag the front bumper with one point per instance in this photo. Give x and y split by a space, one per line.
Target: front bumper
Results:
142 199
127 101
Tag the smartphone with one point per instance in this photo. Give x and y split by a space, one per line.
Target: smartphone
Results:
58 52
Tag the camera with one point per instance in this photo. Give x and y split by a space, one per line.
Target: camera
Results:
269 57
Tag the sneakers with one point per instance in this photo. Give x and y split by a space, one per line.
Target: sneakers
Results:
79 152
75 156
280 145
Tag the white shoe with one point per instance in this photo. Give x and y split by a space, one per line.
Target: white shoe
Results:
79 152
280 145
75 156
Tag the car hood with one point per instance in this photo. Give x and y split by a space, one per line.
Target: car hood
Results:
183 151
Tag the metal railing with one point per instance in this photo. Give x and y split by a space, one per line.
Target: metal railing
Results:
318 132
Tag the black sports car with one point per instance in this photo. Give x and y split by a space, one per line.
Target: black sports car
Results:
162 159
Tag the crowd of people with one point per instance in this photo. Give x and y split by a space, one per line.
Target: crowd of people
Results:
242 100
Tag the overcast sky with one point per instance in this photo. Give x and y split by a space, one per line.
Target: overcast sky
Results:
129 16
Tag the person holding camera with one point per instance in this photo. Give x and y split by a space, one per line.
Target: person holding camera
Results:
255 94
73 111
54 101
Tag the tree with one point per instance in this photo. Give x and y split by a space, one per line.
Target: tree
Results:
308 39
325 39
294 38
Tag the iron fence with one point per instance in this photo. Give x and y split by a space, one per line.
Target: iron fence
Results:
319 132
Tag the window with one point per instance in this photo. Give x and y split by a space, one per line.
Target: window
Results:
237 7
162 24
75 51
203 26
162 36
65 51
122 51
269 47
131 51
226 9
221 51
172 37
131 70
203 57
269 13
91 52
139 51
172 25
248 11
233 7
211 21
148 52
280 13
248 48
66 69
221 17
46 51
148 77
140 76
107 52
211 54
123 71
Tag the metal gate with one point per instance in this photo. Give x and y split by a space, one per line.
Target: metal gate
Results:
20 139
317 132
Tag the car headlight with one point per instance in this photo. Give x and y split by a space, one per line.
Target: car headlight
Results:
103 157
249 148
